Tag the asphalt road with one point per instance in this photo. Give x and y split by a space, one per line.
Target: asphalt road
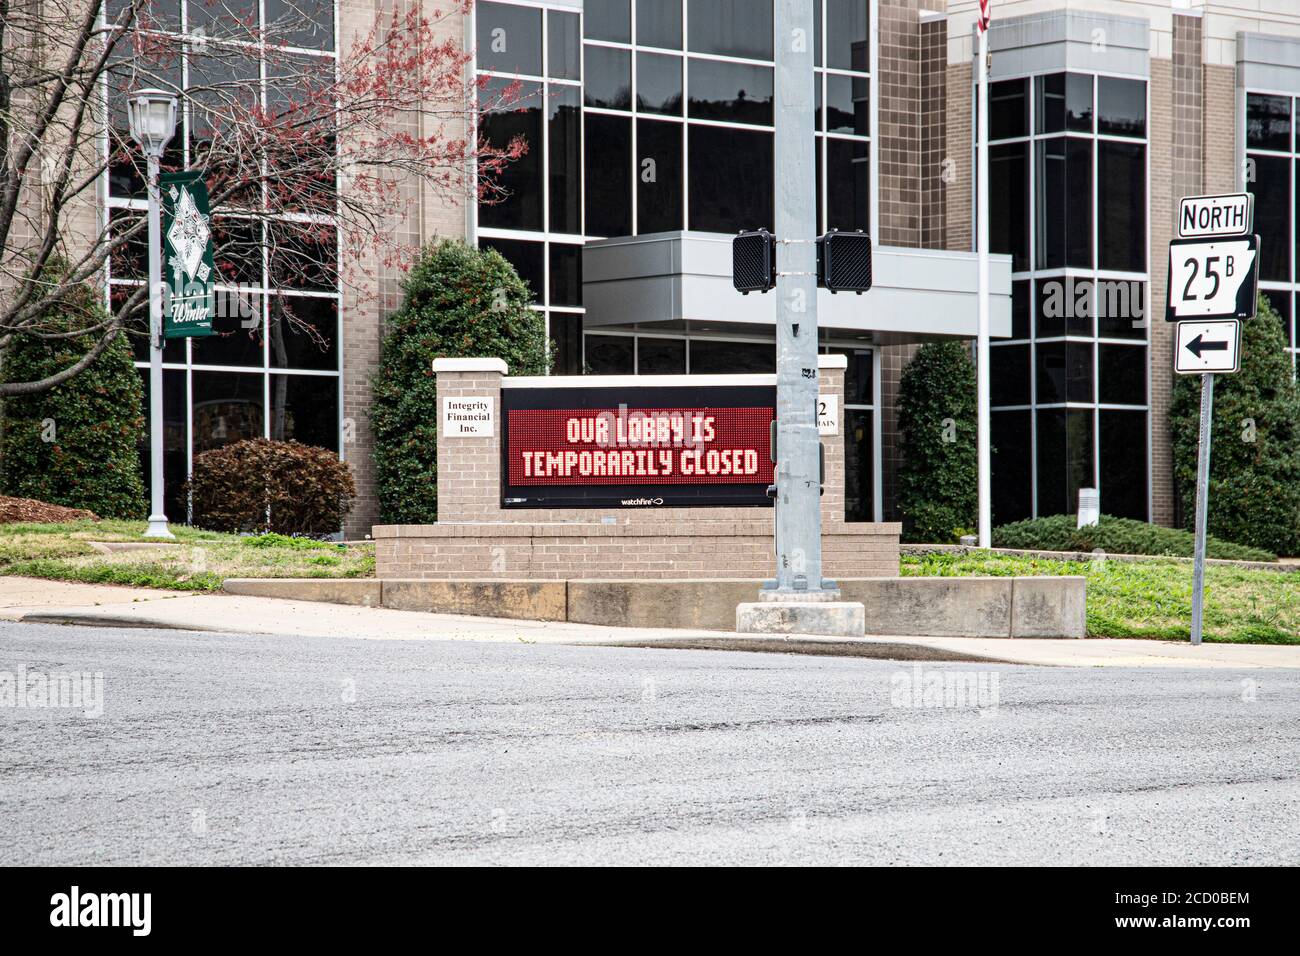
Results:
236 749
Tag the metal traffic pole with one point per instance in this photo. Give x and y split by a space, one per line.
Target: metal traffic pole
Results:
1202 506
798 479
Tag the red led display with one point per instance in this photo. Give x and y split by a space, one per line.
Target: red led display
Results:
639 446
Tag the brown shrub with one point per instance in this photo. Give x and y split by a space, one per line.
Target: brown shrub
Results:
264 485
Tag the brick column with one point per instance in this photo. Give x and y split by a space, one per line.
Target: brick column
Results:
469 469
830 384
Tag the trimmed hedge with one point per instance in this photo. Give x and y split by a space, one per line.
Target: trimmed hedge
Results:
1115 536
281 487
1255 451
938 477
76 444
460 302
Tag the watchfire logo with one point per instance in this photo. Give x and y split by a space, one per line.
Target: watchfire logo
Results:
102 909
651 502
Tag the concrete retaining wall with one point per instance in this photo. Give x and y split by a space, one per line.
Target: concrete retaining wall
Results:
1006 607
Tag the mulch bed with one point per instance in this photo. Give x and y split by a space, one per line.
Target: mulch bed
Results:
15 510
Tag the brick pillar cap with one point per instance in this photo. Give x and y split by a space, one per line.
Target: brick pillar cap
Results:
469 365
832 361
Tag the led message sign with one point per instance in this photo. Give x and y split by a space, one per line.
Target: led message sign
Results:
602 447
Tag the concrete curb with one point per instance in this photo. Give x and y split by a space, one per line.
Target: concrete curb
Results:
996 607
109 620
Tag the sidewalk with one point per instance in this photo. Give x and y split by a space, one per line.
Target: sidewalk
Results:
31 600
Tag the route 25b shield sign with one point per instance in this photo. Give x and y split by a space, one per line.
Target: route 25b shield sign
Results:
188 272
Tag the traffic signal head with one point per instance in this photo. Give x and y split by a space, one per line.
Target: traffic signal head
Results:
753 261
844 261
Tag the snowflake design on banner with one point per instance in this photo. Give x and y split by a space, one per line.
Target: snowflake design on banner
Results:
189 234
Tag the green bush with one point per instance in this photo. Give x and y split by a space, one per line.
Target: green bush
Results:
75 444
1255 451
937 480
275 487
1115 536
459 302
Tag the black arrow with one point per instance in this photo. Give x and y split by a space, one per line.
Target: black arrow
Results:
1196 346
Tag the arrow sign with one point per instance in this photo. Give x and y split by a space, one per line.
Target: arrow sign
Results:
1207 347
1198 345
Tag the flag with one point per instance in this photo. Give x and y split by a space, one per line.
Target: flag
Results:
984 15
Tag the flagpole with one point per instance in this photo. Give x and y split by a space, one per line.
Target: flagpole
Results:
982 339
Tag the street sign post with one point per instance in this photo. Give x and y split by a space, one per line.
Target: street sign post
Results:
1213 285
1208 347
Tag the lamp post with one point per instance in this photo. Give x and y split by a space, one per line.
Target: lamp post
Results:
152 116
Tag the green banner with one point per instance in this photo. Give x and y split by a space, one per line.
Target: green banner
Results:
188 272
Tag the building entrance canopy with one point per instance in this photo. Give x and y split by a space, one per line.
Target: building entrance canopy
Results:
674 278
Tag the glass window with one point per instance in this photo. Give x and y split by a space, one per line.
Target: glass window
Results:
1064 103
850 184
859 377
1120 306
1009 375
1121 106
509 38
566 274
1064 203
731 179
1020 309
1008 109
528 260
238 328
736 92
608 20
564 126
659 23
228 19
304 332
1272 189
1281 302
859 476
740 28
1064 459
1064 372
608 190
659 83
1065 306
659 176
1009 216
1123 464
302 23
514 198
305 408
302 256
1123 378
1012 482
237 250
1268 122
1122 206
608 83
228 407
710 357
566 343
847 105
610 354
660 356
846 34
564 46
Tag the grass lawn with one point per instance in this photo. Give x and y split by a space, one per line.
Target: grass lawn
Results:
200 562
1154 598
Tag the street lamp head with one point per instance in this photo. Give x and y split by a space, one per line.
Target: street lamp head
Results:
152 114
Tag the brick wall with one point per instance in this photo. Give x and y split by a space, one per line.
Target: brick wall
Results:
374 291
960 190
933 131
1163 93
